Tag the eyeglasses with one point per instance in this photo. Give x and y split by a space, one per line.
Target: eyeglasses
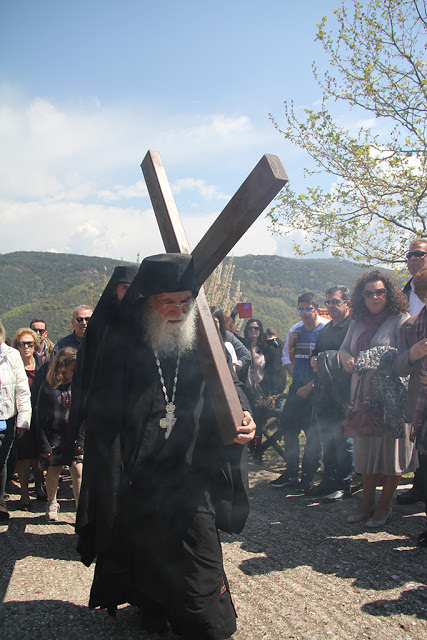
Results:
307 309
378 293
253 328
25 344
416 254
334 302
80 320
40 331
175 305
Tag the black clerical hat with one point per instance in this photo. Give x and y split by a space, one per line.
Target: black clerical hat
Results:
166 272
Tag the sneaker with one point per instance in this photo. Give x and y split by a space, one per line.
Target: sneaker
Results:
318 490
337 496
284 481
410 496
52 510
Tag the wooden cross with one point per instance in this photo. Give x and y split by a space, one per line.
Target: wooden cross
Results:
255 194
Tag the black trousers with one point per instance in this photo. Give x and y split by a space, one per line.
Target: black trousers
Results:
297 415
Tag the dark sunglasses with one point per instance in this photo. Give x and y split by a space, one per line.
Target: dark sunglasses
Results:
302 309
40 331
80 320
334 302
254 328
416 254
25 344
378 293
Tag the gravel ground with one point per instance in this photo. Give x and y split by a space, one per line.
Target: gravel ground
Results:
297 571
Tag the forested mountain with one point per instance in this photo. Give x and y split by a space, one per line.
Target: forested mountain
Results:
50 285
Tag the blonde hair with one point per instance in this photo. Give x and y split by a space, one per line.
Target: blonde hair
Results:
60 362
2 334
20 332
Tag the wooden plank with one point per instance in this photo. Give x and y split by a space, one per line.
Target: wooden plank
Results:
164 205
221 389
249 201
213 363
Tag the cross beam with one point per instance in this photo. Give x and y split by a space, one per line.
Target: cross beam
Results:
254 195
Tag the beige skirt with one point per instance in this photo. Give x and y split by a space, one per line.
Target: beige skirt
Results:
385 454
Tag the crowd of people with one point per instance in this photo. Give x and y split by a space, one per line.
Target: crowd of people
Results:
105 399
36 434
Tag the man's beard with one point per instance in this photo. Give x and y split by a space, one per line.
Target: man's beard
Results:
169 339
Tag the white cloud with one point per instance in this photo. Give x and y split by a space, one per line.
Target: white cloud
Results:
124 192
208 192
75 170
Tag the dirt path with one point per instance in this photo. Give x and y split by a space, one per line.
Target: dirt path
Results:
298 571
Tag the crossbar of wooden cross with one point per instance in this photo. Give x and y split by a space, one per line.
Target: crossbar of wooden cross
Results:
250 200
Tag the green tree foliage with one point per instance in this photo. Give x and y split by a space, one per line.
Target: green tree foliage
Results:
378 199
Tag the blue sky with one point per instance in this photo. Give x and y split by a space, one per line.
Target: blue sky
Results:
86 88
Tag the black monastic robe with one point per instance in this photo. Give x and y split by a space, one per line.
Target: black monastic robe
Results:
150 507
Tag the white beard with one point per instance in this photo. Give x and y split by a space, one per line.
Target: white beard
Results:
169 339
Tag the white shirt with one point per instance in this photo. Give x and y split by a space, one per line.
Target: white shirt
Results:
415 304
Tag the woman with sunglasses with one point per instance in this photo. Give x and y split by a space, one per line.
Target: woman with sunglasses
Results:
27 342
260 377
379 309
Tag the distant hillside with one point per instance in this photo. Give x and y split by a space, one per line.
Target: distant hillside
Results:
50 285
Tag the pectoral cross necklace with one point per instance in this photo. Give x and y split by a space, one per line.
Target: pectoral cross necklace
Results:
169 420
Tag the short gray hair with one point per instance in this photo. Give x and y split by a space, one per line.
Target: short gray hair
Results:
77 309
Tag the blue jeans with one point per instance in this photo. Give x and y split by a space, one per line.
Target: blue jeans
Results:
337 448
296 416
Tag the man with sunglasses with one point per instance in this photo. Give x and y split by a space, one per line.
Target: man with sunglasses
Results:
416 259
46 346
298 408
81 315
331 392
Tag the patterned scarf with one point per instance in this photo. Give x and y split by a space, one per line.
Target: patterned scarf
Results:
372 323
420 409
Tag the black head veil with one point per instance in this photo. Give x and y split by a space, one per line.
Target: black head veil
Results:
103 313
165 272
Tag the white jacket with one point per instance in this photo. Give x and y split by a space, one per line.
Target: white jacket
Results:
15 397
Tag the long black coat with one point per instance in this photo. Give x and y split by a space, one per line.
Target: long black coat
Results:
126 447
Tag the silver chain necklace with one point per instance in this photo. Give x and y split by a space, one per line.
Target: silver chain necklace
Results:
169 420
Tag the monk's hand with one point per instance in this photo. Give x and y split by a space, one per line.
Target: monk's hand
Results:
246 431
